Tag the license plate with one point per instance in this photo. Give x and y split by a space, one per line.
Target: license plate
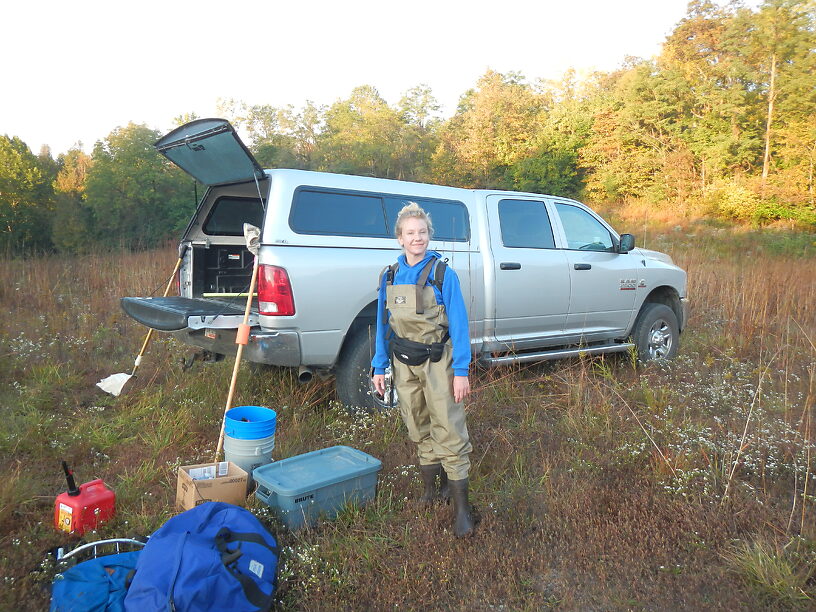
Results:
210 333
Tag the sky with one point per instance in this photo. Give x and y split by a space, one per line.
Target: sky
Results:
72 72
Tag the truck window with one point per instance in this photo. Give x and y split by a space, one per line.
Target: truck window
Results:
228 216
584 232
336 213
525 224
449 217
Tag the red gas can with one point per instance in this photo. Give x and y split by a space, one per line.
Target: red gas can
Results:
81 509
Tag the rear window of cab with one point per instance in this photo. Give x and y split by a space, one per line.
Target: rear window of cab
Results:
328 212
228 215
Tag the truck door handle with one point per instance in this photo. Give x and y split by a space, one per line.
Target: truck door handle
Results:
509 266
583 266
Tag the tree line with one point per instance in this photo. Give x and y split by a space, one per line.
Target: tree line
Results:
722 122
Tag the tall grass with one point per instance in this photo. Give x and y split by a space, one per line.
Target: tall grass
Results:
599 483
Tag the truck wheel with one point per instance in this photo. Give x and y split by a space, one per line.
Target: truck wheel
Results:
353 375
656 333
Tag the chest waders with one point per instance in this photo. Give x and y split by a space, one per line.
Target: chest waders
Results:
435 422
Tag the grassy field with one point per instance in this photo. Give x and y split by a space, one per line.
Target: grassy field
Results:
600 484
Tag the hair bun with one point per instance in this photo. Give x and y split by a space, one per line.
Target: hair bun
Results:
412 210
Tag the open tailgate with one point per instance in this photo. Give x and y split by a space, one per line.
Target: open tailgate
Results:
177 313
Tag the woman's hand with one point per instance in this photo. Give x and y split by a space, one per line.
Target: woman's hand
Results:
379 383
461 388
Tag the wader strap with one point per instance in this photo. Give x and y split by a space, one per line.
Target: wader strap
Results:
439 273
420 285
388 272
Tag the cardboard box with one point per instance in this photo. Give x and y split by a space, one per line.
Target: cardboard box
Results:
229 484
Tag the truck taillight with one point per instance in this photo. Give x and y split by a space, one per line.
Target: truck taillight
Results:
274 292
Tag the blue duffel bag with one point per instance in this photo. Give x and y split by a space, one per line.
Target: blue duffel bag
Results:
96 585
215 556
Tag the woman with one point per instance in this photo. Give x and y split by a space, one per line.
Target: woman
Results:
422 313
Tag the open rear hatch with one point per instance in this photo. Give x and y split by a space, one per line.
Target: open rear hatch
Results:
177 313
211 152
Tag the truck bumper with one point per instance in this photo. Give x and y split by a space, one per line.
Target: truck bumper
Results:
280 348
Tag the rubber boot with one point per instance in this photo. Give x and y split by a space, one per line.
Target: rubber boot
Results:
444 489
430 474
463 520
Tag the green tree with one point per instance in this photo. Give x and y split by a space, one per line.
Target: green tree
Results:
420 120
361 136
631 135
269 130
718 122
72 230
26 198
47 163
305 126
279 137
777 44
183 118
493 128
137 198
419 107
552 165
776 39
796 130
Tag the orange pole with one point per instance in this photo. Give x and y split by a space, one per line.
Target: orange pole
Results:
241 334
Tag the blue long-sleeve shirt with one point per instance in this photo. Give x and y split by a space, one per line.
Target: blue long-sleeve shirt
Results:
450 296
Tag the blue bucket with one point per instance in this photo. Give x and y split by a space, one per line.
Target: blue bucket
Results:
250 422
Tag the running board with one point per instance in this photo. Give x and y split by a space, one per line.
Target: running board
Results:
556 354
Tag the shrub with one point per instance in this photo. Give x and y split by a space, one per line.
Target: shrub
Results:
741 202
734 201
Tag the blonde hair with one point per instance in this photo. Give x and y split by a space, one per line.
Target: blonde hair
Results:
412 209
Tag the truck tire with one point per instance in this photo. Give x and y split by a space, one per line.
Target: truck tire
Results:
353 374
656 333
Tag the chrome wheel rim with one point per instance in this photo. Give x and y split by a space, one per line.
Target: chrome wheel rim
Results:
661 339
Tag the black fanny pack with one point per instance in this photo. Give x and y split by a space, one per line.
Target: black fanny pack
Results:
416 353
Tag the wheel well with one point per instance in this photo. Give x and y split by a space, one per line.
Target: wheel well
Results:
367 316
669 297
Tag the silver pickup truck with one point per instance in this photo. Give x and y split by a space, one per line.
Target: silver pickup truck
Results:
543 277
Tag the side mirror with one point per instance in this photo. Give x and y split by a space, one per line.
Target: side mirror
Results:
627 243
